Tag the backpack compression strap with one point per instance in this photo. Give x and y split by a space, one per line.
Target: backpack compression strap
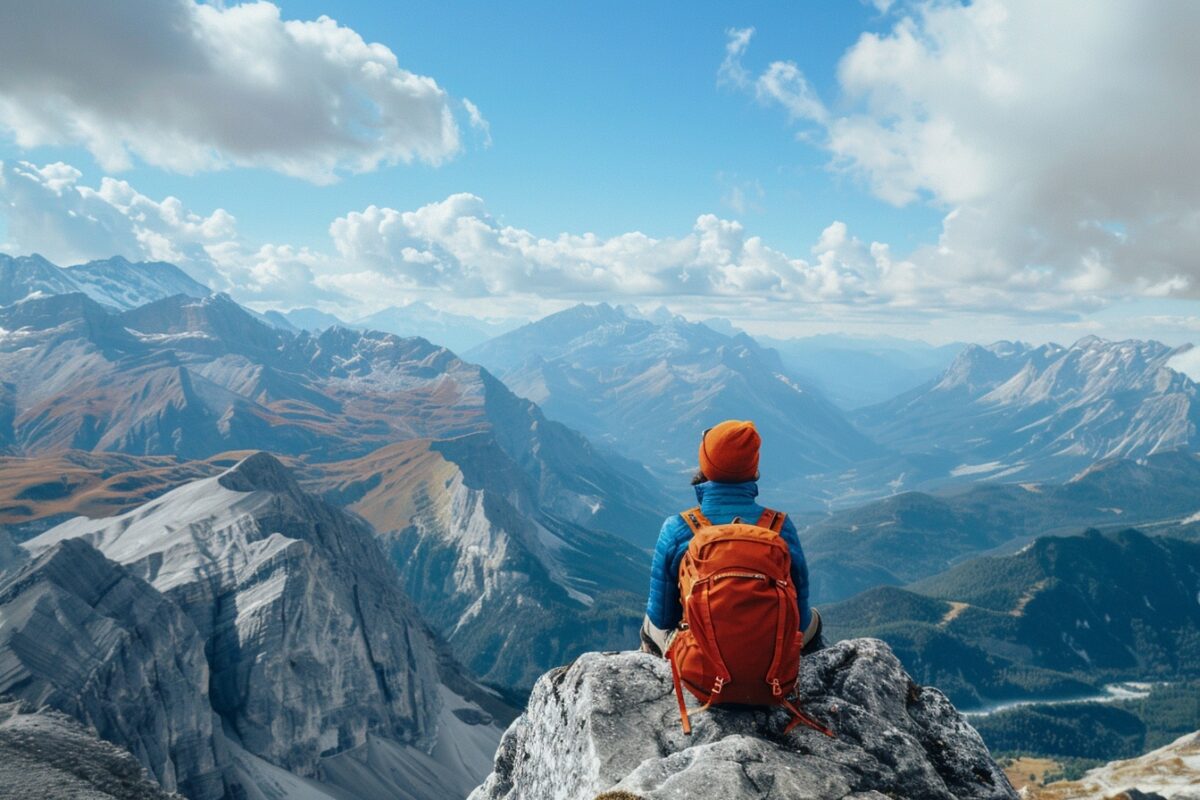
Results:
695 519
772 520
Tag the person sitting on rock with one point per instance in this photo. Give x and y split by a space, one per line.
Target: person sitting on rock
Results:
726 487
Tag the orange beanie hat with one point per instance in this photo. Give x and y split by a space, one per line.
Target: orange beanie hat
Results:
729 452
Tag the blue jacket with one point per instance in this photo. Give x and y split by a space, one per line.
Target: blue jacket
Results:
720 503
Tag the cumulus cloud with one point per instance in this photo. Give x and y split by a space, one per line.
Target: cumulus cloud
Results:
456 246
189 86
49 210
455 250
1059 137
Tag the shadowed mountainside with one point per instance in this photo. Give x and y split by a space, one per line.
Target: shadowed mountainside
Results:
912 535
1057 619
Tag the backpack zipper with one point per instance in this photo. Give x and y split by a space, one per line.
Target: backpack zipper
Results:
758 576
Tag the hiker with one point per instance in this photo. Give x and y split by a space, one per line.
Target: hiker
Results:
739 634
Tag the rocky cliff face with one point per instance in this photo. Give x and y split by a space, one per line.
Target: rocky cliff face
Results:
487 566
311 646
313 660
78 633
607 727
11 554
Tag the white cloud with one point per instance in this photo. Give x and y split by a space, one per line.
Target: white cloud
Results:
188 87
454 251
478 121
1059 137
784 83
456 246
732 72
48 210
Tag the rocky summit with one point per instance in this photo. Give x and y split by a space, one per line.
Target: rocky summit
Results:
607 728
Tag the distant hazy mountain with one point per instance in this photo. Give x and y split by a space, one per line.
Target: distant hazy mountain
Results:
277 320
1042 412
454 331
237 629
194 378
912 535
114 282
24 276
458 332
648 389
310 319
1060 617
858 371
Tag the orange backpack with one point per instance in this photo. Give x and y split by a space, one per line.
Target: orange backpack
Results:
739 641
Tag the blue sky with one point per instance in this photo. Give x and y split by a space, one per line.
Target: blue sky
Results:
925 169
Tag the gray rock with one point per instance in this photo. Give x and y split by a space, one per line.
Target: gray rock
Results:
79 634
608 726
48 754
12 555
314 650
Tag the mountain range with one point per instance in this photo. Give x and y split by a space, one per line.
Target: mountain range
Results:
114 282
645 385
196 377
648 389
354 615
1011 410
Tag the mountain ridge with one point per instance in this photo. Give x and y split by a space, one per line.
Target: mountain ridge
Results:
1042 412
115 282
360 693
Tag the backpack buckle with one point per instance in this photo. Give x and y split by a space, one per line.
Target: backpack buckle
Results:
717 685
775 689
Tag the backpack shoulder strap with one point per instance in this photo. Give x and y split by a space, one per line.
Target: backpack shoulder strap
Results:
695 519
772 520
